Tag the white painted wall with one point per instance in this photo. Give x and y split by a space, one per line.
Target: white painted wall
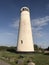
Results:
25 33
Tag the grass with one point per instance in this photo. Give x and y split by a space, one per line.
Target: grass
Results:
38 59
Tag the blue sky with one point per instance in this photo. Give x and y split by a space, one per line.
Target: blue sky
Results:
10 16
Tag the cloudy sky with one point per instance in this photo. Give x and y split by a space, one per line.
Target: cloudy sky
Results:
10 16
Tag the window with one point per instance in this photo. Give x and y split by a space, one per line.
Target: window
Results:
25 9
22 41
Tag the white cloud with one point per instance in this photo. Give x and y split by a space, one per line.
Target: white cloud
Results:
11 34
7 34
38 34
47 6
37 25
36 28
7 39
40 21
15 24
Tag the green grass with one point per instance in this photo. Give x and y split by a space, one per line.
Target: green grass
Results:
38 59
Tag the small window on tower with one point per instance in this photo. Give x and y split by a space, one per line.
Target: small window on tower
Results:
22 41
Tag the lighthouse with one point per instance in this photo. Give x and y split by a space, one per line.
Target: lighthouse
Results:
25 37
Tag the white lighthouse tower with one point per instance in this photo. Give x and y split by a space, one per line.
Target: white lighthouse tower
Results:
25 40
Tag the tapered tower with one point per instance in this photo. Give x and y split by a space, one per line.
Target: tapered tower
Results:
25 40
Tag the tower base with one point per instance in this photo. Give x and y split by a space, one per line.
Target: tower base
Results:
24 52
